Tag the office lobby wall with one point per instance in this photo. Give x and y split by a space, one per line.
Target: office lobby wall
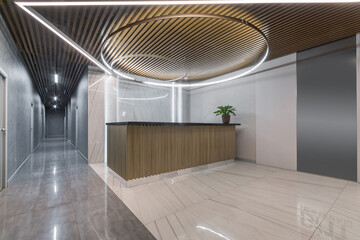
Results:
21 94
96 115
326 110
276 113
55 123
114 100
77 116
266 108
238 93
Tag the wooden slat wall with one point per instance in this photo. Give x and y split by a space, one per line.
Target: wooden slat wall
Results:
136 151
117 149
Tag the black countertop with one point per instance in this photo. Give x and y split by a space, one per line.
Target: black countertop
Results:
173 124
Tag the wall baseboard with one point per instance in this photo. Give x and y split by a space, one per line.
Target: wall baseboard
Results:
36 147
246 160
12 176
79 151
83 155
72 144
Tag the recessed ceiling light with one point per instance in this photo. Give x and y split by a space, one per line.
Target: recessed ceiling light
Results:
54 106
55 98
56 78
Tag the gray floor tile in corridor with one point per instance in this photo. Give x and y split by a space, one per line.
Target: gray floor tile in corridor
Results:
56 195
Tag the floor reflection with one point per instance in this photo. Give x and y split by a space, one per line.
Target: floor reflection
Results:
244 201
56 195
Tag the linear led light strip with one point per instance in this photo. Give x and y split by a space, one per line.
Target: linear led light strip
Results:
125 3
26 6
60 34
144 99
212 82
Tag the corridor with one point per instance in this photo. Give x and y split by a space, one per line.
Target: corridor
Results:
56 195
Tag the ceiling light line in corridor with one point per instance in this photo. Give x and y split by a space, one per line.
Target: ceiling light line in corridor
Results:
137 3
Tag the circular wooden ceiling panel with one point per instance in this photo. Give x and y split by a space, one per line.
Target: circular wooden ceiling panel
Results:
184 47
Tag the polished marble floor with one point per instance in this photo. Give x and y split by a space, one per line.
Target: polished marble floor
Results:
244 201
56 195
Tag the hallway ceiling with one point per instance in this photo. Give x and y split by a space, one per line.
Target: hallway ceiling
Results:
288 27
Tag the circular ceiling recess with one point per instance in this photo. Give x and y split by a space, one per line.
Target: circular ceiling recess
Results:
184 48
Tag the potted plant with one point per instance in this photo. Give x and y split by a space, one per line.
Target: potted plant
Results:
225 112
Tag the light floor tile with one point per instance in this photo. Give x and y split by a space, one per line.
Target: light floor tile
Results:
325 234
190 190
244 201
306 178
293 212
302 189
213 220
151 201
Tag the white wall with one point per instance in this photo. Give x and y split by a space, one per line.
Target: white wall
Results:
276 114
240 94
358 103
266 108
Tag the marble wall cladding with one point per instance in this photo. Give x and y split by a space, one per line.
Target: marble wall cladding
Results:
96 115
21 94
139 102
110 99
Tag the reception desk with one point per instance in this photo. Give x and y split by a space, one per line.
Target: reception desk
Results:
142 149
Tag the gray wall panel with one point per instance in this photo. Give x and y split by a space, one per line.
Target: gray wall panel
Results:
55 124
326 110
79 104
21 93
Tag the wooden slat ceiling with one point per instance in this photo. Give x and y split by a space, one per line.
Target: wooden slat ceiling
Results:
288 27
198 46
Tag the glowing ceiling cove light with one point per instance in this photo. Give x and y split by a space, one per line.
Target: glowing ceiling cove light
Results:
122 75
213 82
26 6
144 99
133 3
116 72
203 83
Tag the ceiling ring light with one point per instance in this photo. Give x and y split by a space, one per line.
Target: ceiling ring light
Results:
193 15
151 56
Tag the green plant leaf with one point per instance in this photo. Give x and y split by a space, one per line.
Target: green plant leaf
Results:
225 110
